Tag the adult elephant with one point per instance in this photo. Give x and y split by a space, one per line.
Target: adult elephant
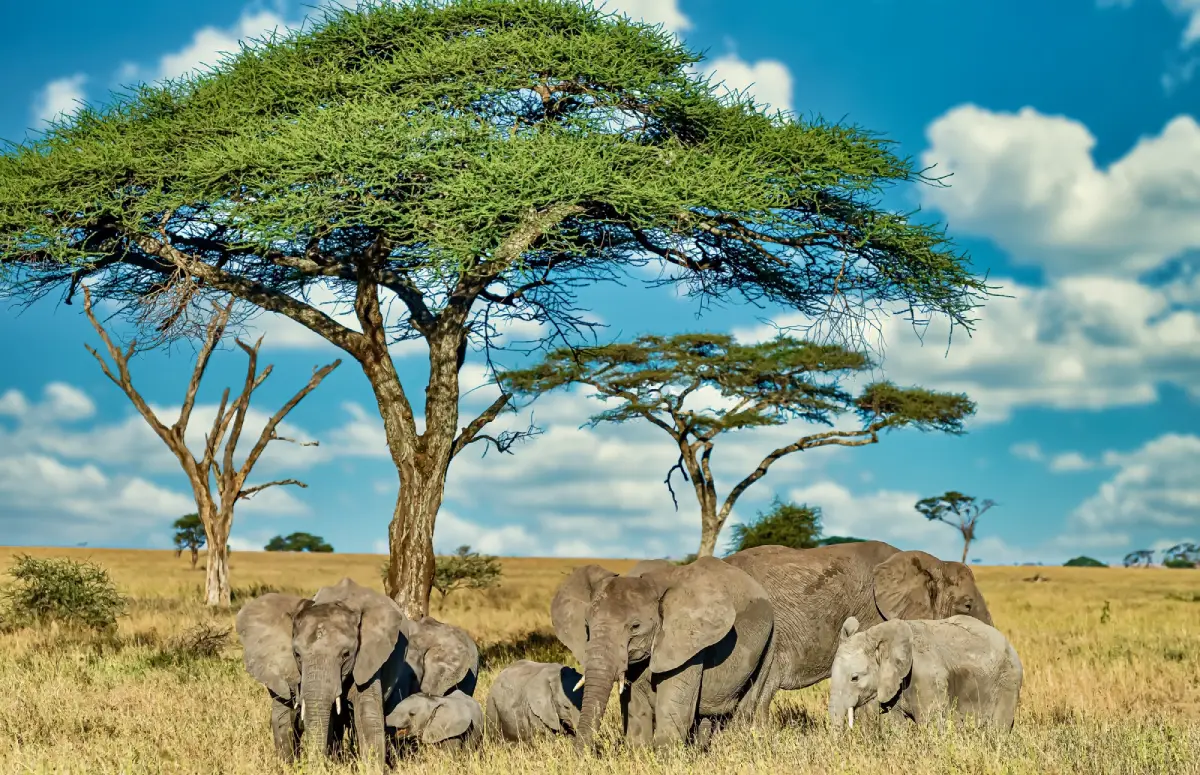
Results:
813 591
346 645
690 639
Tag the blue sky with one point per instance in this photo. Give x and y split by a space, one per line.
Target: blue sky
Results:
1076 185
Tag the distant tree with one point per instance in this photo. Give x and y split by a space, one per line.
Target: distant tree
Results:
688 559
1139 559
189 534
464 570
831 540
766 384
1184 555
298 542
784 524
961 512
1084 562
216 461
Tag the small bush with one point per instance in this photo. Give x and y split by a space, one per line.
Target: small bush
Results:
58 589
1084 561
204 641
784 524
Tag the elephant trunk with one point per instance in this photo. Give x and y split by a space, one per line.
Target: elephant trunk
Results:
318 693
604 658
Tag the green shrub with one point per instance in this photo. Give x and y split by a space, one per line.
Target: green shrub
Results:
464 570
1084 562
785 524
62 590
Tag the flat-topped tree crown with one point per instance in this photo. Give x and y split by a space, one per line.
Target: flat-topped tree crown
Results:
467 163
771 383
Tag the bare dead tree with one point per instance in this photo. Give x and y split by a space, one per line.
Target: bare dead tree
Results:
215 465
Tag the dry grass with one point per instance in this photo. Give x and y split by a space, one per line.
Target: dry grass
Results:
1115 692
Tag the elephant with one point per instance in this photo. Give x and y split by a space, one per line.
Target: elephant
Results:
532 699
346 646
454 721
691 640
924 668
813 591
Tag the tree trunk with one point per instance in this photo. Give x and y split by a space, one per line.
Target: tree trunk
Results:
195 556
966 548
709 530
216 577
410 545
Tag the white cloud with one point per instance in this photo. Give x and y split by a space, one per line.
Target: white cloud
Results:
1071 461
59 97
664 12
1154 486
1087 342
1030 182
769 80
1062 462
209 45
1028 450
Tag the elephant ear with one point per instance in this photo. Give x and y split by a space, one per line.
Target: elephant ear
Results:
441 655
568 610
697 612
452 717
379 631
893 652
542 702
264 625
906 587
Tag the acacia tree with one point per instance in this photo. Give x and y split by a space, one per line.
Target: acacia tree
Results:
1140 558
466 164
189 534
961 512
765 384
216 463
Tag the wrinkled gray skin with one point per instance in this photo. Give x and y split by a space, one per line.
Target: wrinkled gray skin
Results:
532 699
454 721
690 639
921 669
347 648
814 590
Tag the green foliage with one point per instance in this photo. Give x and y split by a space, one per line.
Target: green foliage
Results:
1084 562
1178 562
784 524
444 130
58 589
831 540
1182 555
298 542
1138 558
464 570
189 535
688 559
769 383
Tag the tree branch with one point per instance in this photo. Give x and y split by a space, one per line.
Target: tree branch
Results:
268 432
471 433
250 492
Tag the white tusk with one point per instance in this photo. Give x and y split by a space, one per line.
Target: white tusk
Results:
621 681
302 710
579 685
850 717
338 705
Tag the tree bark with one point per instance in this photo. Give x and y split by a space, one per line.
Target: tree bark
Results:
195 555
966 548
216 576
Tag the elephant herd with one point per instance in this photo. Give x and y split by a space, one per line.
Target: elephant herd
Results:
691 648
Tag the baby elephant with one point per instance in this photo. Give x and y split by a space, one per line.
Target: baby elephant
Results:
529 699
923 667
453 721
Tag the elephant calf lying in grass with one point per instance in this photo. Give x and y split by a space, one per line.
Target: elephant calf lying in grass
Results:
923 669
534 699
453 721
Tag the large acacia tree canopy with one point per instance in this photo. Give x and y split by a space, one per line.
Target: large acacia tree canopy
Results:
447 133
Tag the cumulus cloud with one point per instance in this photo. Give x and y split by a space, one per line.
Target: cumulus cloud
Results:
1030 183
1061 462
769 80
61 96
1153 486
664 12
1086 342
208 46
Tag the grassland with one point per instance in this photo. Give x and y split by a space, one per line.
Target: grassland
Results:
1112 681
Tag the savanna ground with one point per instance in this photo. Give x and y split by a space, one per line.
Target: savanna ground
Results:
1112 680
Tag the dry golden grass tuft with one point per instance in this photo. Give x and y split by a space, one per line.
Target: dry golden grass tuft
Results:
1112 681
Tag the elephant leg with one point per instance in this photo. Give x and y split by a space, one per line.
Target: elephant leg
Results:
283 730
637 711
677 697
368 721
703 734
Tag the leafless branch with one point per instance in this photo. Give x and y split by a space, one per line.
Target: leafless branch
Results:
250 492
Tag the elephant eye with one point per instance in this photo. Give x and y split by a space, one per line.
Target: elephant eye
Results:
635 626
854 678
